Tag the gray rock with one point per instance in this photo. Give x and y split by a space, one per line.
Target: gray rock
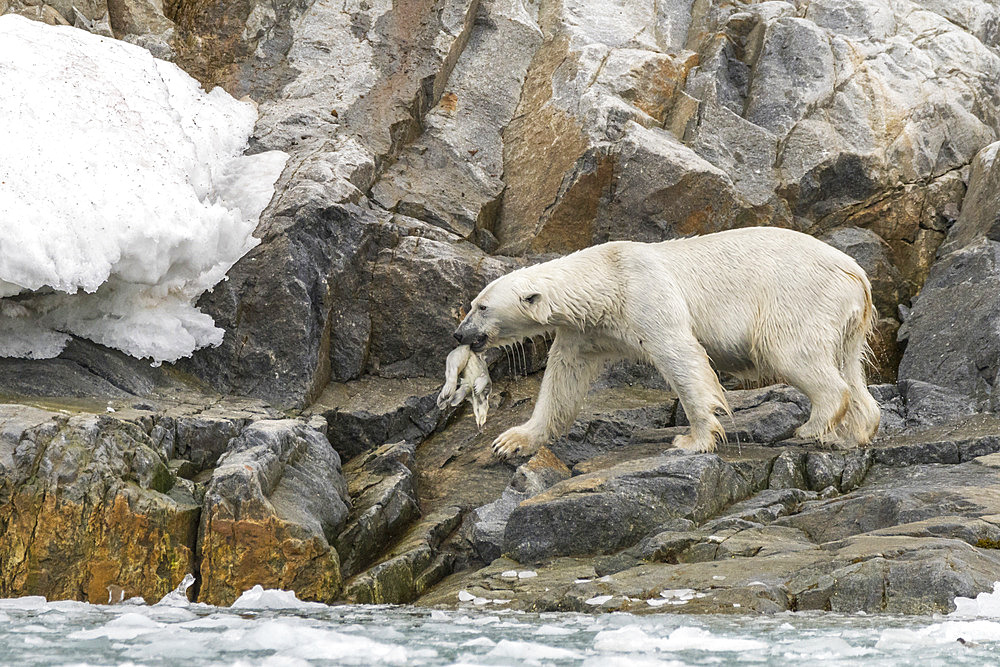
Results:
365 414
874 256
384 503
273 508
894 496
611 509
960 354
486 526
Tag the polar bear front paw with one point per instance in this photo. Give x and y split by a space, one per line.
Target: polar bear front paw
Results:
516 441
691 444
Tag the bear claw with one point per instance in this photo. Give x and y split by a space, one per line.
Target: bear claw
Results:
514 442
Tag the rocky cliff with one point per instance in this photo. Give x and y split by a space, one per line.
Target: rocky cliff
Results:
436 144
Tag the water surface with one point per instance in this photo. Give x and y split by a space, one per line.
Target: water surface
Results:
273 628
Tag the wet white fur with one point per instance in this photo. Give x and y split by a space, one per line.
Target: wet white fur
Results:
759 302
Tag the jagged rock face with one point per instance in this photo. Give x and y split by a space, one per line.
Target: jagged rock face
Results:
952 334
440 133
88 502
272 506
91 502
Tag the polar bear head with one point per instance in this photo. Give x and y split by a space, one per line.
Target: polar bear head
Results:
508 310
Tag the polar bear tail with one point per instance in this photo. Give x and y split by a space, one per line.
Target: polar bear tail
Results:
860 422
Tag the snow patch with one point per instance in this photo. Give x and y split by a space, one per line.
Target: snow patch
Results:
124 194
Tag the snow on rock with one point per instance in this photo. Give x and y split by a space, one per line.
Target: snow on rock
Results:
124 194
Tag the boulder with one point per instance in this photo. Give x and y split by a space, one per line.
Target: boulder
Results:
272 509
88 503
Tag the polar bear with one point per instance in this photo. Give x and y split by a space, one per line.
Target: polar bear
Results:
756 302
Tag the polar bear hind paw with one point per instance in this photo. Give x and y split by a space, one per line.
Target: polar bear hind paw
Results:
517 441
688 443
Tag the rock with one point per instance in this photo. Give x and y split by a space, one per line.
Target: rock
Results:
88 502
452 175
611 509
384 503
430 281
961 354
272 510
412 566
486 526
898 496
365 414
613 422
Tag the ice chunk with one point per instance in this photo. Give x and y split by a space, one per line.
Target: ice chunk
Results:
178 596
465 596
480 641
515 650
259 598
985 605
124 194
26 603
598 600
526 574
126 626
681 639
935 634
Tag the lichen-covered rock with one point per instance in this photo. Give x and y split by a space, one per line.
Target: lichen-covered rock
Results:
88 503
272 509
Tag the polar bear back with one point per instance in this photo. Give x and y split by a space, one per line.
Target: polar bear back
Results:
745 288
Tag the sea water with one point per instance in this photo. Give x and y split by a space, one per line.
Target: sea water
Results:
273 628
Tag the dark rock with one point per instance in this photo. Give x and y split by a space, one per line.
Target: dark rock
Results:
929 404
431 282
788 471
485 526
384 503
603 431
611 509
294 309
766 415
411 566
894 496
873 255
365 414
961 354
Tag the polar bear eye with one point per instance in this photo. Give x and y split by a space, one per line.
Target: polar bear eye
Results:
482 307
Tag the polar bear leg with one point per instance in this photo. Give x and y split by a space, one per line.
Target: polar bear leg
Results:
820 380
683 363
572 367
863 414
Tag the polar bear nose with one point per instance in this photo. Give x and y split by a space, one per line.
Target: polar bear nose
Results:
458 336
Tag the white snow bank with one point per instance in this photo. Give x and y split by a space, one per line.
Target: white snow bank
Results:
124 194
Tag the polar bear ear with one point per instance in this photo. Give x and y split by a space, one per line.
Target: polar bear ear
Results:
538 309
